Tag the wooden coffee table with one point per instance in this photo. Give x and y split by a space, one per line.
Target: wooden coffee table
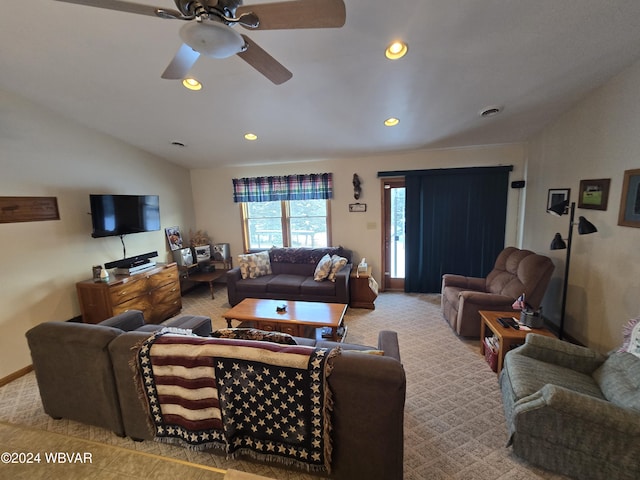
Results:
294 321
507 337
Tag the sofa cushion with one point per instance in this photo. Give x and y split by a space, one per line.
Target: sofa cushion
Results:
254 285
619 380
284 283
323 268
528 375
254 265
254 334
337 262
301 255
310 286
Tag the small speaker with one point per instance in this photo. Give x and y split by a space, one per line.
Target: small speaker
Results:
203 253
183 257
518 184
221 252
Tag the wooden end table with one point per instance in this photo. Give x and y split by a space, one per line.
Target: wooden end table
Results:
207 277
363 289
507 337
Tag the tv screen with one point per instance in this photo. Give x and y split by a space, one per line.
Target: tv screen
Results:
114 215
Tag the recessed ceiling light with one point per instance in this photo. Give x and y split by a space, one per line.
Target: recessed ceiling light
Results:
391 122
192 84
396 50
490 111
250 136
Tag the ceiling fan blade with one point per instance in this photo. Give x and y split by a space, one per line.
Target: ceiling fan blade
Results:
268 66
297 14
181 63
122 6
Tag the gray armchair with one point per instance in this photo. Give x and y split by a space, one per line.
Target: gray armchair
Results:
572 410
514 273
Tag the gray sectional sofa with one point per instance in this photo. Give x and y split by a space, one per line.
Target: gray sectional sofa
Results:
291 278
84 374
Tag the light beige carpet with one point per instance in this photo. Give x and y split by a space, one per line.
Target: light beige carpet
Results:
454 424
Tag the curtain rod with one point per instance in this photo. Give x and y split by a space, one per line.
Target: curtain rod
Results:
445 171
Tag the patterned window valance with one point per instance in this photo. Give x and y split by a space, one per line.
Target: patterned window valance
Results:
314 186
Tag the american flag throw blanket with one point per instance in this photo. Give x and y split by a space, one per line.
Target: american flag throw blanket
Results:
266 400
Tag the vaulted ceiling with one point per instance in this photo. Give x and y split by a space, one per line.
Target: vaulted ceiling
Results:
533 59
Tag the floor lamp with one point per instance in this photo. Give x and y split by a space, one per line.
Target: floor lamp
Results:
584 228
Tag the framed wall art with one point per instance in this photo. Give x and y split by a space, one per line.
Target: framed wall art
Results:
28 209
594 194
629 215
174 237
557 195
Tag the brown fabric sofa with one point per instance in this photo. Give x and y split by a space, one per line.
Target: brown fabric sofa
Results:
368 405
515 272
74 370
292 278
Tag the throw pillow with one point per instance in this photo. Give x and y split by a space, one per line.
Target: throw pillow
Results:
337 262
323 268
254 334
254 265
631 335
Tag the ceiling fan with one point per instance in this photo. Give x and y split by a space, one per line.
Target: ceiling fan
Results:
209 28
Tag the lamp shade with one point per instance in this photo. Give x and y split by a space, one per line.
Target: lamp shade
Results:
558 243
585 227
559 208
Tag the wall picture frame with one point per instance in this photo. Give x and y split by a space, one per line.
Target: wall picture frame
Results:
629 214
174 237
594 194
558 195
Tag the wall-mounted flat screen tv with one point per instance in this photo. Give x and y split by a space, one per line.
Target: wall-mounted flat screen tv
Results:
115 215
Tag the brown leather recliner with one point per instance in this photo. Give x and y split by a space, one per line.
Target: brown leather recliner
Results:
515 272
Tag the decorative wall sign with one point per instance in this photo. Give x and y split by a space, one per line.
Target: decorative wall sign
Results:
594 194
557 195
629 215
357 207
28 209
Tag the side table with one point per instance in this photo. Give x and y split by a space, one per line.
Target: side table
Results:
507 337
363 289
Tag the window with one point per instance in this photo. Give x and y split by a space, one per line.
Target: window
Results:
286 223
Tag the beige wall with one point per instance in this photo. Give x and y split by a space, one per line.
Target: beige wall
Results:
598 138
42 154
361 232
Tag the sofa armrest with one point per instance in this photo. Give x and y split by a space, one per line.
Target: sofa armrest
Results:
388 343
488 301
233 276
558 352
342 283
126 321
582 413
469 283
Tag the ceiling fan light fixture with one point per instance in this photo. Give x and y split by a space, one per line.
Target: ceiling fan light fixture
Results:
250 136
212 38
192 84
391 122
396 50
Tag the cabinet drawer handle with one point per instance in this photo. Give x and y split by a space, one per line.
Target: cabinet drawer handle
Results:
123 293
